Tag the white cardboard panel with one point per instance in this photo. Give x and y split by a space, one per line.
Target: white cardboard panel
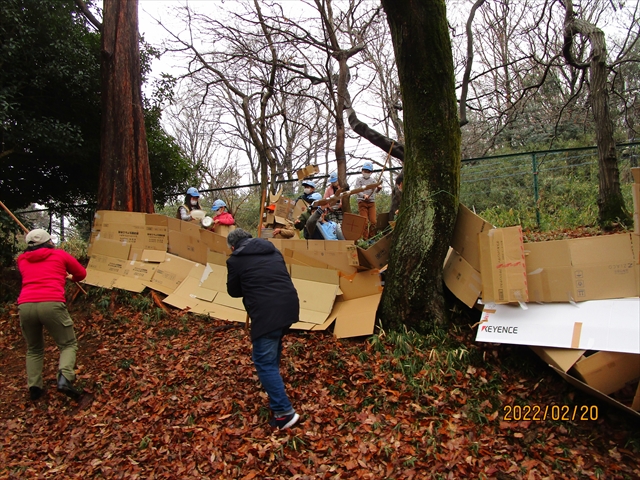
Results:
609 325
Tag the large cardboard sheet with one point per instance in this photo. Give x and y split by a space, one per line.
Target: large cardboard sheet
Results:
611 325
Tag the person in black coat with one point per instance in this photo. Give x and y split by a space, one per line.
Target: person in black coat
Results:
256 272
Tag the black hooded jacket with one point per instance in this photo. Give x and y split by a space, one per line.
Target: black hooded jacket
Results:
258 274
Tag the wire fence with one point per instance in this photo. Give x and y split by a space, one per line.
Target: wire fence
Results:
540 189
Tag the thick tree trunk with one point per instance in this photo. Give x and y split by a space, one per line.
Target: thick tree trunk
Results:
413 293
125 177
611 208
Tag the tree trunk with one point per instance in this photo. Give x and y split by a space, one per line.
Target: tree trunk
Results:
611 208
125 177
413 293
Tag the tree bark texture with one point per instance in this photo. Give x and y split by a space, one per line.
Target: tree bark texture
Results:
125 176
611 208
413 294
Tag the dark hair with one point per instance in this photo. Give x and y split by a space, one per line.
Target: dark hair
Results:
400 178
47 244
236 237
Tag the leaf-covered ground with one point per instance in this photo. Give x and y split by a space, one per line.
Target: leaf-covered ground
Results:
174 395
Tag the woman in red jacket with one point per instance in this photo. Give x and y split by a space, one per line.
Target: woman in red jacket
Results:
44 270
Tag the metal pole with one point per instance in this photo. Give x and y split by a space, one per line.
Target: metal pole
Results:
536 198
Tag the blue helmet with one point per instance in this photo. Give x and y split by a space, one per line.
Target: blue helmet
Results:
309 183
367 166
193 191
218 204
333 178
315 196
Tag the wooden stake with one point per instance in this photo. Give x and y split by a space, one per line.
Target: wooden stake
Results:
14 217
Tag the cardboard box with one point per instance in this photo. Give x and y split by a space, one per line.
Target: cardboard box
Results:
462 279
187 246
224 229
465 236
120 218
307 171
608 372
299 207
356 317
317 289
353 226
610 325
502 266
284 208
635 172
360 284
215 243
377 255
592 268
170 274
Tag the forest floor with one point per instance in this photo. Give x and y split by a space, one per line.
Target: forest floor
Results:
174 395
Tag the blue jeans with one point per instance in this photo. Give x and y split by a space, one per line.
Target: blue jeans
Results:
266 358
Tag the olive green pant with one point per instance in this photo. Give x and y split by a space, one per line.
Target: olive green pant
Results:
55 318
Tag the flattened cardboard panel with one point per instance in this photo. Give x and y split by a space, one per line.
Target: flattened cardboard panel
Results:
102 263
173 224
551 284
129 284
187 246
223 312
465 236
377 255
216 278
139 270
224 229
170 274
610 325
133 234
308 258
223 298
316 245
318 297
303 326
307 171
608 372
153 256
462 279
215 242
299 207
100 279
355 318
592 391
503 268
338 246
135 254
562 358
353 226
128 218
336 260
315 274
153 219
217 258
361 284
311 316
156 238
110 248
192 229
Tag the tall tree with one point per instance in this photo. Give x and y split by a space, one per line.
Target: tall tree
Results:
413 293
125 176
611 207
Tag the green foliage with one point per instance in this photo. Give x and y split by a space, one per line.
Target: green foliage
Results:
502 189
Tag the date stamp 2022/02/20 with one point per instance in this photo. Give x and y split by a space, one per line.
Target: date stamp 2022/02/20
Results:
540 413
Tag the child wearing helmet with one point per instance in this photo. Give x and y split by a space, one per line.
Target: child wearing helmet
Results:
301 221
191 202
221 215
309 189
335 211
367 199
